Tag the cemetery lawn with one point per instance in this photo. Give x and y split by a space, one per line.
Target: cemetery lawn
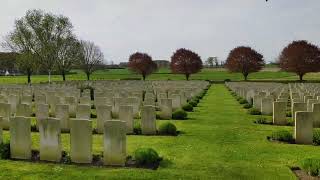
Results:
214 74
219 141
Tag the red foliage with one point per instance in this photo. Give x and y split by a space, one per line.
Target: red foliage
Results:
300 57
244 60
142 63
185 62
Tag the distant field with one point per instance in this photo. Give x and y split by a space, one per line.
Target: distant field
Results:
215 74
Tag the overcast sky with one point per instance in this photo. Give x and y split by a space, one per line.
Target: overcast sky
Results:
159 27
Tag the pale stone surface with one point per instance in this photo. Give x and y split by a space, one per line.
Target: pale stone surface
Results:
72 102
316 115
5 113
26 100
303 127
24 110
85 100
115 144
83 111
166 108
62 113
50 140
266 106
20 137
103 114
81 140
13 100
176 101
298 106
310 103
40 99
257 102
148 120
279 113
126 115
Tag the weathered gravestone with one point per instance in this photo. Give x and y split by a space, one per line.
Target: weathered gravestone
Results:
303 127
83 111
20 137
166 108
126 115
50 141
298 106
62 113
103 114
72 102
279 113
24 110
148 120
115 143
5 113
267 105
316 115
81 140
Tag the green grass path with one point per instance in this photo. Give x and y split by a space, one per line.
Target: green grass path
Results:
219 142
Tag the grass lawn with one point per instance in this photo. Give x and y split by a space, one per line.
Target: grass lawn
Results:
218 74
219 141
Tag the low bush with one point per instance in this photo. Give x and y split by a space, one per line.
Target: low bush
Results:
167 129
243 101
282 135
262 120
5 150
146 157
254 111
179 114
311 166
193 103
247 106
239 98
289 114
65 158
187 107
137 128
316 136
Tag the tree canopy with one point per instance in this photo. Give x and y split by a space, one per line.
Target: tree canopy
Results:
244 60
300 57
186 62
142 63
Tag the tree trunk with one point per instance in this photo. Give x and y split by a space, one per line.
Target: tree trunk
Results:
88 76
144 77
187 76
301 77
49 77
63 76
245 75
29 78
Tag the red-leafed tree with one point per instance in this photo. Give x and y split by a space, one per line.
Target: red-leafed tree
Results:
300 57
244 60
142 63
185 62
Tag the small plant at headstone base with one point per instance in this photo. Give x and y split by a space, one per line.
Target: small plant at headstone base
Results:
179 114
34 128
282 135
5 150
193 103
262 120
195 99
93 115
254 111
311 166
239 98
316 136
187 107
167 128
65 158
147 157
247 106
289 114
243 101
137 128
